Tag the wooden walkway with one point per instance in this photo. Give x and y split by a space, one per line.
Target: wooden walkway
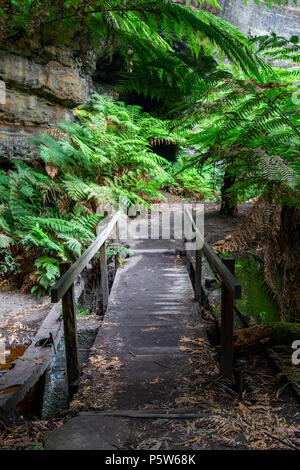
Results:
139 360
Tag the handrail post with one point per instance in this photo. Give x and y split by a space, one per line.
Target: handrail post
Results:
198 275
70 333
227 325
198 265
104 276
116 237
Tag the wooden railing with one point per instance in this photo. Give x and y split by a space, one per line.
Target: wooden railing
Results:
64 289
231 290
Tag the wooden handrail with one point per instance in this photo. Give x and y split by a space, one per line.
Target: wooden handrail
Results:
225 275
66 281
64 289
231 289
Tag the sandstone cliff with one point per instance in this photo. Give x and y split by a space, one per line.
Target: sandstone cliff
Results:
283 21
41 84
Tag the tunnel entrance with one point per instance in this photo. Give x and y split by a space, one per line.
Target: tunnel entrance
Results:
108 71
155 107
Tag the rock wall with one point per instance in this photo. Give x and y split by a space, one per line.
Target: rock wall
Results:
39 86
254 20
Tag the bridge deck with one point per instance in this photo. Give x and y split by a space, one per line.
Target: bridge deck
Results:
139 359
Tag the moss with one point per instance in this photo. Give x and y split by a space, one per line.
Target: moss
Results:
215 311
285 332
279 333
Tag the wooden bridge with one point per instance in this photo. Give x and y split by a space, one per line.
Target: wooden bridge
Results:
151 310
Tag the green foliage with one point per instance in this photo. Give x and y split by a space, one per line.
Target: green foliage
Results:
249 129
48 273
83 312
189 182
8 265
50 211
147 28
108 152
116 250
35 446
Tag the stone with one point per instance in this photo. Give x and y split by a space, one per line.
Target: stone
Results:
39 86
282 20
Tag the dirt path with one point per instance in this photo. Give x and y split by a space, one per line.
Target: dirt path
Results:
20 316
217 227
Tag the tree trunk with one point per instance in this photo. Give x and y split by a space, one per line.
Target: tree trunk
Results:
229 199
281 263
289 244
279 333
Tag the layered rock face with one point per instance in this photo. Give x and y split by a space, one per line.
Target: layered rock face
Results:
257 21
39 86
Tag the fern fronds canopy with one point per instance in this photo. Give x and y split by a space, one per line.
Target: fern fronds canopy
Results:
148 27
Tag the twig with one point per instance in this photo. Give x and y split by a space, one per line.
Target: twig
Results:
186 442
162 365
282 441
53 344
7 428
228 390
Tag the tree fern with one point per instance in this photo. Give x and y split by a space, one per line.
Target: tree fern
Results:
250 128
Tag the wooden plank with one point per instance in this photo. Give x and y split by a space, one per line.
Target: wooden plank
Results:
226 276
198 266
104 277
71 275
70 333
170 413
229 280
227 325
31 366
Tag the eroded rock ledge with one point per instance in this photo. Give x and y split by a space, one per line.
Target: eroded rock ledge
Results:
42 83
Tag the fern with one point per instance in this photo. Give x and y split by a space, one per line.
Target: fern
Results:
71 243
146 27
57 225
250 129
47 274
105 155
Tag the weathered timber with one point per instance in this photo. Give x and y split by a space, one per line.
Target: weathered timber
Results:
278 333
70 333
104 277
227 307
198 276
174 413
217 264
72 274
